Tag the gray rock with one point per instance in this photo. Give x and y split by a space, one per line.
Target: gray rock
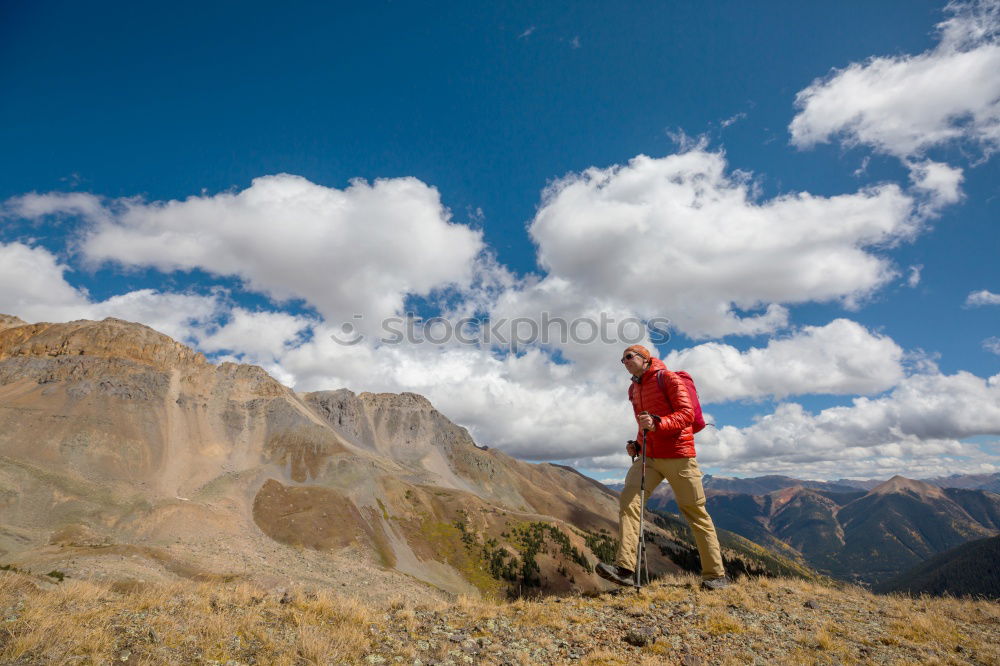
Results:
640 636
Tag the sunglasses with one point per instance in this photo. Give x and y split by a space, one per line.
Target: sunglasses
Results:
629 356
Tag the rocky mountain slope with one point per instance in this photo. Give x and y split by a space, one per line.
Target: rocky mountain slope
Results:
126 455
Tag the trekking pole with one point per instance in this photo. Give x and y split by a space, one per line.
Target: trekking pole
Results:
640 555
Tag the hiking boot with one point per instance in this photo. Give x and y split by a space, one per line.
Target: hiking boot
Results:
715 583
616 574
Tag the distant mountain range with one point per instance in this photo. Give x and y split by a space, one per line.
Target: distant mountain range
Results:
852 534
761 485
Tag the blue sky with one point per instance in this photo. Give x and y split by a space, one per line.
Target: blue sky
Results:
807 192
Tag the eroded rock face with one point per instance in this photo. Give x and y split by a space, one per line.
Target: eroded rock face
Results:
304 450
345 411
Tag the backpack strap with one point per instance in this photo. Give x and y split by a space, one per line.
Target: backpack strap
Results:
662 383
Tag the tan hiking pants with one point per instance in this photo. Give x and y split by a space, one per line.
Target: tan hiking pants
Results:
685 479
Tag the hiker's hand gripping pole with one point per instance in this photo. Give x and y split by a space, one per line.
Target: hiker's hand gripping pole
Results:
646 422
632 448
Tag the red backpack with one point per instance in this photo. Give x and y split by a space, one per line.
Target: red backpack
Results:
699 419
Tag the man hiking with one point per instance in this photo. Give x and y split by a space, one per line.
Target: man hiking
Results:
664 412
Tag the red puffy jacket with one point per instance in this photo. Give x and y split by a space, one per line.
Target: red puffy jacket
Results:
673 436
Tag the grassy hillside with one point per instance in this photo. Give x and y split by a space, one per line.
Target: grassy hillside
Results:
972 570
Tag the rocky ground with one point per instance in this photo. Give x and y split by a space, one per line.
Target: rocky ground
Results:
757 621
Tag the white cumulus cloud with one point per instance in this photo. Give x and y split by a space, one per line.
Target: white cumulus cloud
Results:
35 205
939 184
982 297
681 238
903 105
925 417
32 285
260 337
841 357
362 249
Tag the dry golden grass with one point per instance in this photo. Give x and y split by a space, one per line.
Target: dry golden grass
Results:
177 623
921 628
476 609
669 593
719 622
574 617
769 620
534 614
603 658
820 639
